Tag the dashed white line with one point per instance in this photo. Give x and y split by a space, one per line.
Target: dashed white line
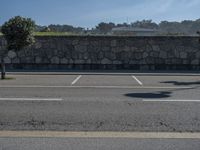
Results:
31 99
74 82
170 100
138 81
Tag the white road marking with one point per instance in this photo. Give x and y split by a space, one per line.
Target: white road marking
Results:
68 134
31 99
170 100
76 80
138 81
114 87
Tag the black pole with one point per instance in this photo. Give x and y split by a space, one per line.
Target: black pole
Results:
198 32
3 69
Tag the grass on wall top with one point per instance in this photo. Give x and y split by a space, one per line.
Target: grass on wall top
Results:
53 33
50 34
74 34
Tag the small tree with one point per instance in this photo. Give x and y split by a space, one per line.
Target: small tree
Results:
18 32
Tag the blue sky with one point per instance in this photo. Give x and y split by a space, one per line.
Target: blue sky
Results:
88 13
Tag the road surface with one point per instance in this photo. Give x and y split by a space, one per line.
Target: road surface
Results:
98 103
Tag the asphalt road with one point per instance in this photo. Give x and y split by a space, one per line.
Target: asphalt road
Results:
92 109
97 144
130 103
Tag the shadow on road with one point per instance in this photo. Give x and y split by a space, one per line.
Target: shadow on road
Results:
182 83
149 95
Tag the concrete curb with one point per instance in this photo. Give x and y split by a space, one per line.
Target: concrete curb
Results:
108 73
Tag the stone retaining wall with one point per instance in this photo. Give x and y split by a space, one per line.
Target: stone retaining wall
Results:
107 52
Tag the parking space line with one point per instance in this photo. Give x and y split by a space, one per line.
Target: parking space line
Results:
170 100
31 99
74 82
138 81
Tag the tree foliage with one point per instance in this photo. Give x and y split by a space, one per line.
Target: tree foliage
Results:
145 24
105 27
18 32
60 28
186 27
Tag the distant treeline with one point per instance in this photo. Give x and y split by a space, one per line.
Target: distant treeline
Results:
59 28
186 27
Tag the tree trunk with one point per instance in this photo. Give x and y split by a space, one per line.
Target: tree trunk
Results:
3 69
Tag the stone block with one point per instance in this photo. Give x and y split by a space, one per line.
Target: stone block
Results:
64 61
75 42
123 55
183 55
37 45
89 61
195 62
145 54
106 61
154 54
12 54
198 54
30 60
150 60
126 49
185 61
84 43
156 48
163 54
110 55
38 60
55 60
134 62
85 56
105 48
16 60
100 55
113 43
168 61
79 61
81 48
133 48
94 43
138 56
116 62
71 61
21 53
7 60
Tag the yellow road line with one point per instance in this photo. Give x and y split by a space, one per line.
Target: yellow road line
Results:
136 135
